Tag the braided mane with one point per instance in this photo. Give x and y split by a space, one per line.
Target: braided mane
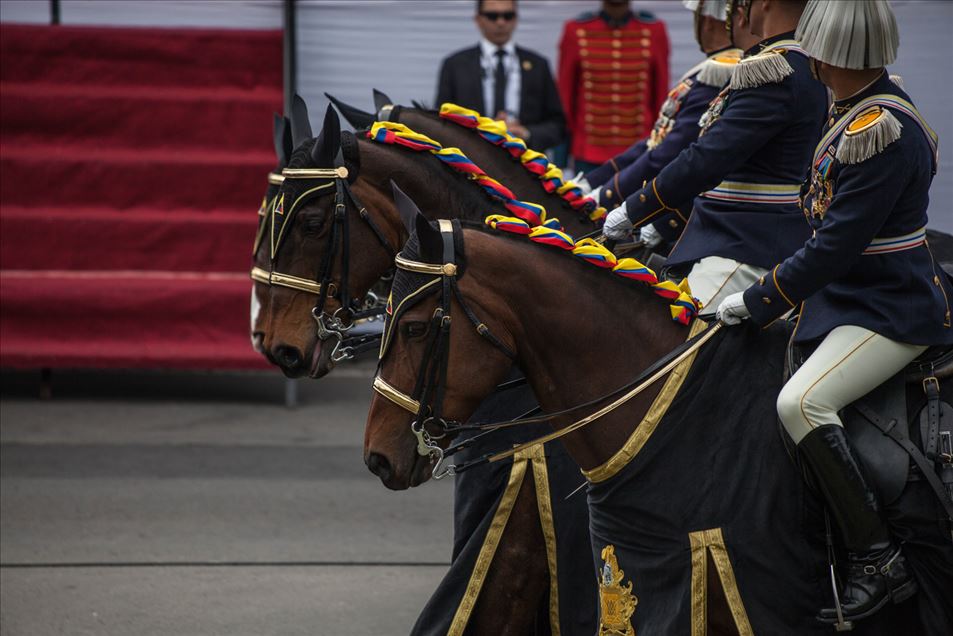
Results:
549 174
387 132
684 307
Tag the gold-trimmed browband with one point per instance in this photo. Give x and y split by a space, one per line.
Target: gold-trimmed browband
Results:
400 399
275 178
285 280
315 173
447 269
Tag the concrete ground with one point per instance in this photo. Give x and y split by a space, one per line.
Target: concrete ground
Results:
141 503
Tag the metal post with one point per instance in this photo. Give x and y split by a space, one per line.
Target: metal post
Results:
291 393
46 384
290 53
54 12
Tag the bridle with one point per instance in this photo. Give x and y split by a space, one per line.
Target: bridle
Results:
315 182
425 403
426 400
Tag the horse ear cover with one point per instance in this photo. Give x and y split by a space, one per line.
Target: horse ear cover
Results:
282 140
428 238
406 207
358 118
300 124
325 149
381 100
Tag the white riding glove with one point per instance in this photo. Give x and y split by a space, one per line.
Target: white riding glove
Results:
581 181
617 225
594 195
732 309
649 235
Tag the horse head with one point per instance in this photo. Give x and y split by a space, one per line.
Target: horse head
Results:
430 374
300 267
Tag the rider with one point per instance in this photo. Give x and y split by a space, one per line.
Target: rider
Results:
746 166
677 123
871 290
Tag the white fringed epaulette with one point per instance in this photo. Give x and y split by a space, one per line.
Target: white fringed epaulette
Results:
716 71
868 134
769 67
896 79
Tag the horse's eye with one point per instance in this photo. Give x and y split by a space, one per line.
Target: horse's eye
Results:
414 329
311 224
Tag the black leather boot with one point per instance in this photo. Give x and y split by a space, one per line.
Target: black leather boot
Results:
876 572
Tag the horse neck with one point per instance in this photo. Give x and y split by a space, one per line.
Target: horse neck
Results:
438 190
497 163
579 332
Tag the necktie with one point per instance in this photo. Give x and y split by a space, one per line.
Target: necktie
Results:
499 84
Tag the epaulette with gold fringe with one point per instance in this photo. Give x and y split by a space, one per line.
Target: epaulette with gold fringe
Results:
716 70
769 67
868 134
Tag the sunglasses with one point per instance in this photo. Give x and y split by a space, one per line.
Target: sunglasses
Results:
493 16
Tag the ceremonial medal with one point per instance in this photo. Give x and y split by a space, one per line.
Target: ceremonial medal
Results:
666 118
822 188
713 113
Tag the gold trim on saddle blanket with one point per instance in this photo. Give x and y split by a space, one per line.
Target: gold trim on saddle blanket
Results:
653 416
545 504
482 566
712 541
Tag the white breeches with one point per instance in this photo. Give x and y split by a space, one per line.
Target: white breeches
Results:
849 363
714 277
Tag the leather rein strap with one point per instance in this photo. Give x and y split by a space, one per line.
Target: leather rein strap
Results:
640 383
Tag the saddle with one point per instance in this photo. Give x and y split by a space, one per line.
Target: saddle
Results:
903 430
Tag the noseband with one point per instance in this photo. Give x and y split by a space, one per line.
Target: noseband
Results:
426 401
338 324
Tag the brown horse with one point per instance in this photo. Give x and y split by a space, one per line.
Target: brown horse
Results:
517 581
687 479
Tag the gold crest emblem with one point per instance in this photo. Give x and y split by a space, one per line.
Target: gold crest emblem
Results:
527 65
280 206
616 601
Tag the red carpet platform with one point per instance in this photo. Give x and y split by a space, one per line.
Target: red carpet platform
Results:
132 163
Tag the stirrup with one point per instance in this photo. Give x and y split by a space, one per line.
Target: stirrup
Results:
840 625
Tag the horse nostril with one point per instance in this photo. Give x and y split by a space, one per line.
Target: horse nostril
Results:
379 465
288 357
257 341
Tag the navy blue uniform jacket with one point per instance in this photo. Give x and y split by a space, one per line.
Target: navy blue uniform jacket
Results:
675 128
867 264
746 168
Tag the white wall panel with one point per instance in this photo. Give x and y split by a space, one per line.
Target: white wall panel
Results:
25 11
234 14
346 47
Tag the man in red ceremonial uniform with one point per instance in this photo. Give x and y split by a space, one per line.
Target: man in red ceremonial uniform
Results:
613 78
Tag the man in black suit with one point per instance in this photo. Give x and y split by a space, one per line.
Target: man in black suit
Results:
504 81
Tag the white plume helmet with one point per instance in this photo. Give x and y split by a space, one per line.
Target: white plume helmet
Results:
857 34
712 8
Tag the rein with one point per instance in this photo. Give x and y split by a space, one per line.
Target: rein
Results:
426 401
338 324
